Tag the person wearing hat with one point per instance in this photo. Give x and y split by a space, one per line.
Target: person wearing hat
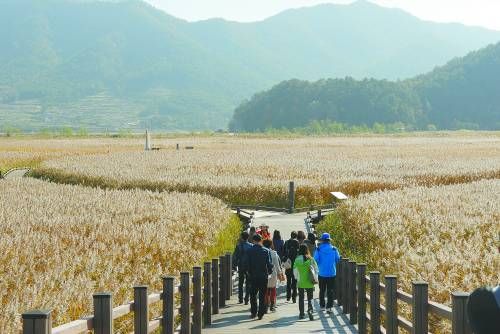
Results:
327 257
264 231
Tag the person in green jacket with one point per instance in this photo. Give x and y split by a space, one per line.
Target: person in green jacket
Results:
301 271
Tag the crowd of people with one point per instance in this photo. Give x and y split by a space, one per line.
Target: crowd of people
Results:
303 262
262 261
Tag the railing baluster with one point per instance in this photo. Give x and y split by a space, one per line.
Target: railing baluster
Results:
222 281
345 286
168 305
420 307
103 309
215 286
375 302
197 308
361 298
338 283
207 294
185 304
353 307
141 317
229 277
37 322
459 323
391 304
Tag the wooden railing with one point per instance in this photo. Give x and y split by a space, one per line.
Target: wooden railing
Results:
352 296
199 297
258 207
246 217
319 215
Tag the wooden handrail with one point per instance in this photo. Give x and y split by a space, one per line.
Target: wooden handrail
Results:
75 327
405 297
440 310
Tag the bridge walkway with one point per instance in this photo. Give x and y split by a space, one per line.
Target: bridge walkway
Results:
235 318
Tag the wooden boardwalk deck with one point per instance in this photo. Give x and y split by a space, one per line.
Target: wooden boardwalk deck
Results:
235 318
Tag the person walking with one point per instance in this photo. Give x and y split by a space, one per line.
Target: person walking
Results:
259 268
251 233
301 236
327 257
240 263
264 231
291 249
278 244
311 243
302 271
273 278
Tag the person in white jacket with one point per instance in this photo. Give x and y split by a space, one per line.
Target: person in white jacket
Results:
273 278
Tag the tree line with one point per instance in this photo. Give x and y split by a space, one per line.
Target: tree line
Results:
463 94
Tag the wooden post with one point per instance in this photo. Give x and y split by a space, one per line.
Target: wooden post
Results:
353 307
222 281
420 307
459 321
291 196
168 305
197 308
215 286
141 318
345 286
391 304
375 302
37 322
185 304
238 211
207 294
361 298
103 313
319 215
338 283
229 277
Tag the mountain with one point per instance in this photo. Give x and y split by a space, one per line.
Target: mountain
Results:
462 94
118 64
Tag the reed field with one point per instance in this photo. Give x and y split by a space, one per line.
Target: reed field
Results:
445 235
62 243
257 170
422 206
30 152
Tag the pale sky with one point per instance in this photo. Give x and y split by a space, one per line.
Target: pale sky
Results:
484 13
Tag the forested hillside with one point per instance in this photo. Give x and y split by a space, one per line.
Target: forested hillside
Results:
58 57
462 94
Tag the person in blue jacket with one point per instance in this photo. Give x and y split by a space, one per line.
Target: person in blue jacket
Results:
326 257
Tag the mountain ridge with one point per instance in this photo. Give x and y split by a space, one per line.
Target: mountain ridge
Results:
460 94
191 75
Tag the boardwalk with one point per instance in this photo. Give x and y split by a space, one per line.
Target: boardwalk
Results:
16 173
236 318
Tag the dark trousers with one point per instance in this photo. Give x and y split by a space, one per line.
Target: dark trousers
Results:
243 283
326 285
309 300
258 287
291 285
